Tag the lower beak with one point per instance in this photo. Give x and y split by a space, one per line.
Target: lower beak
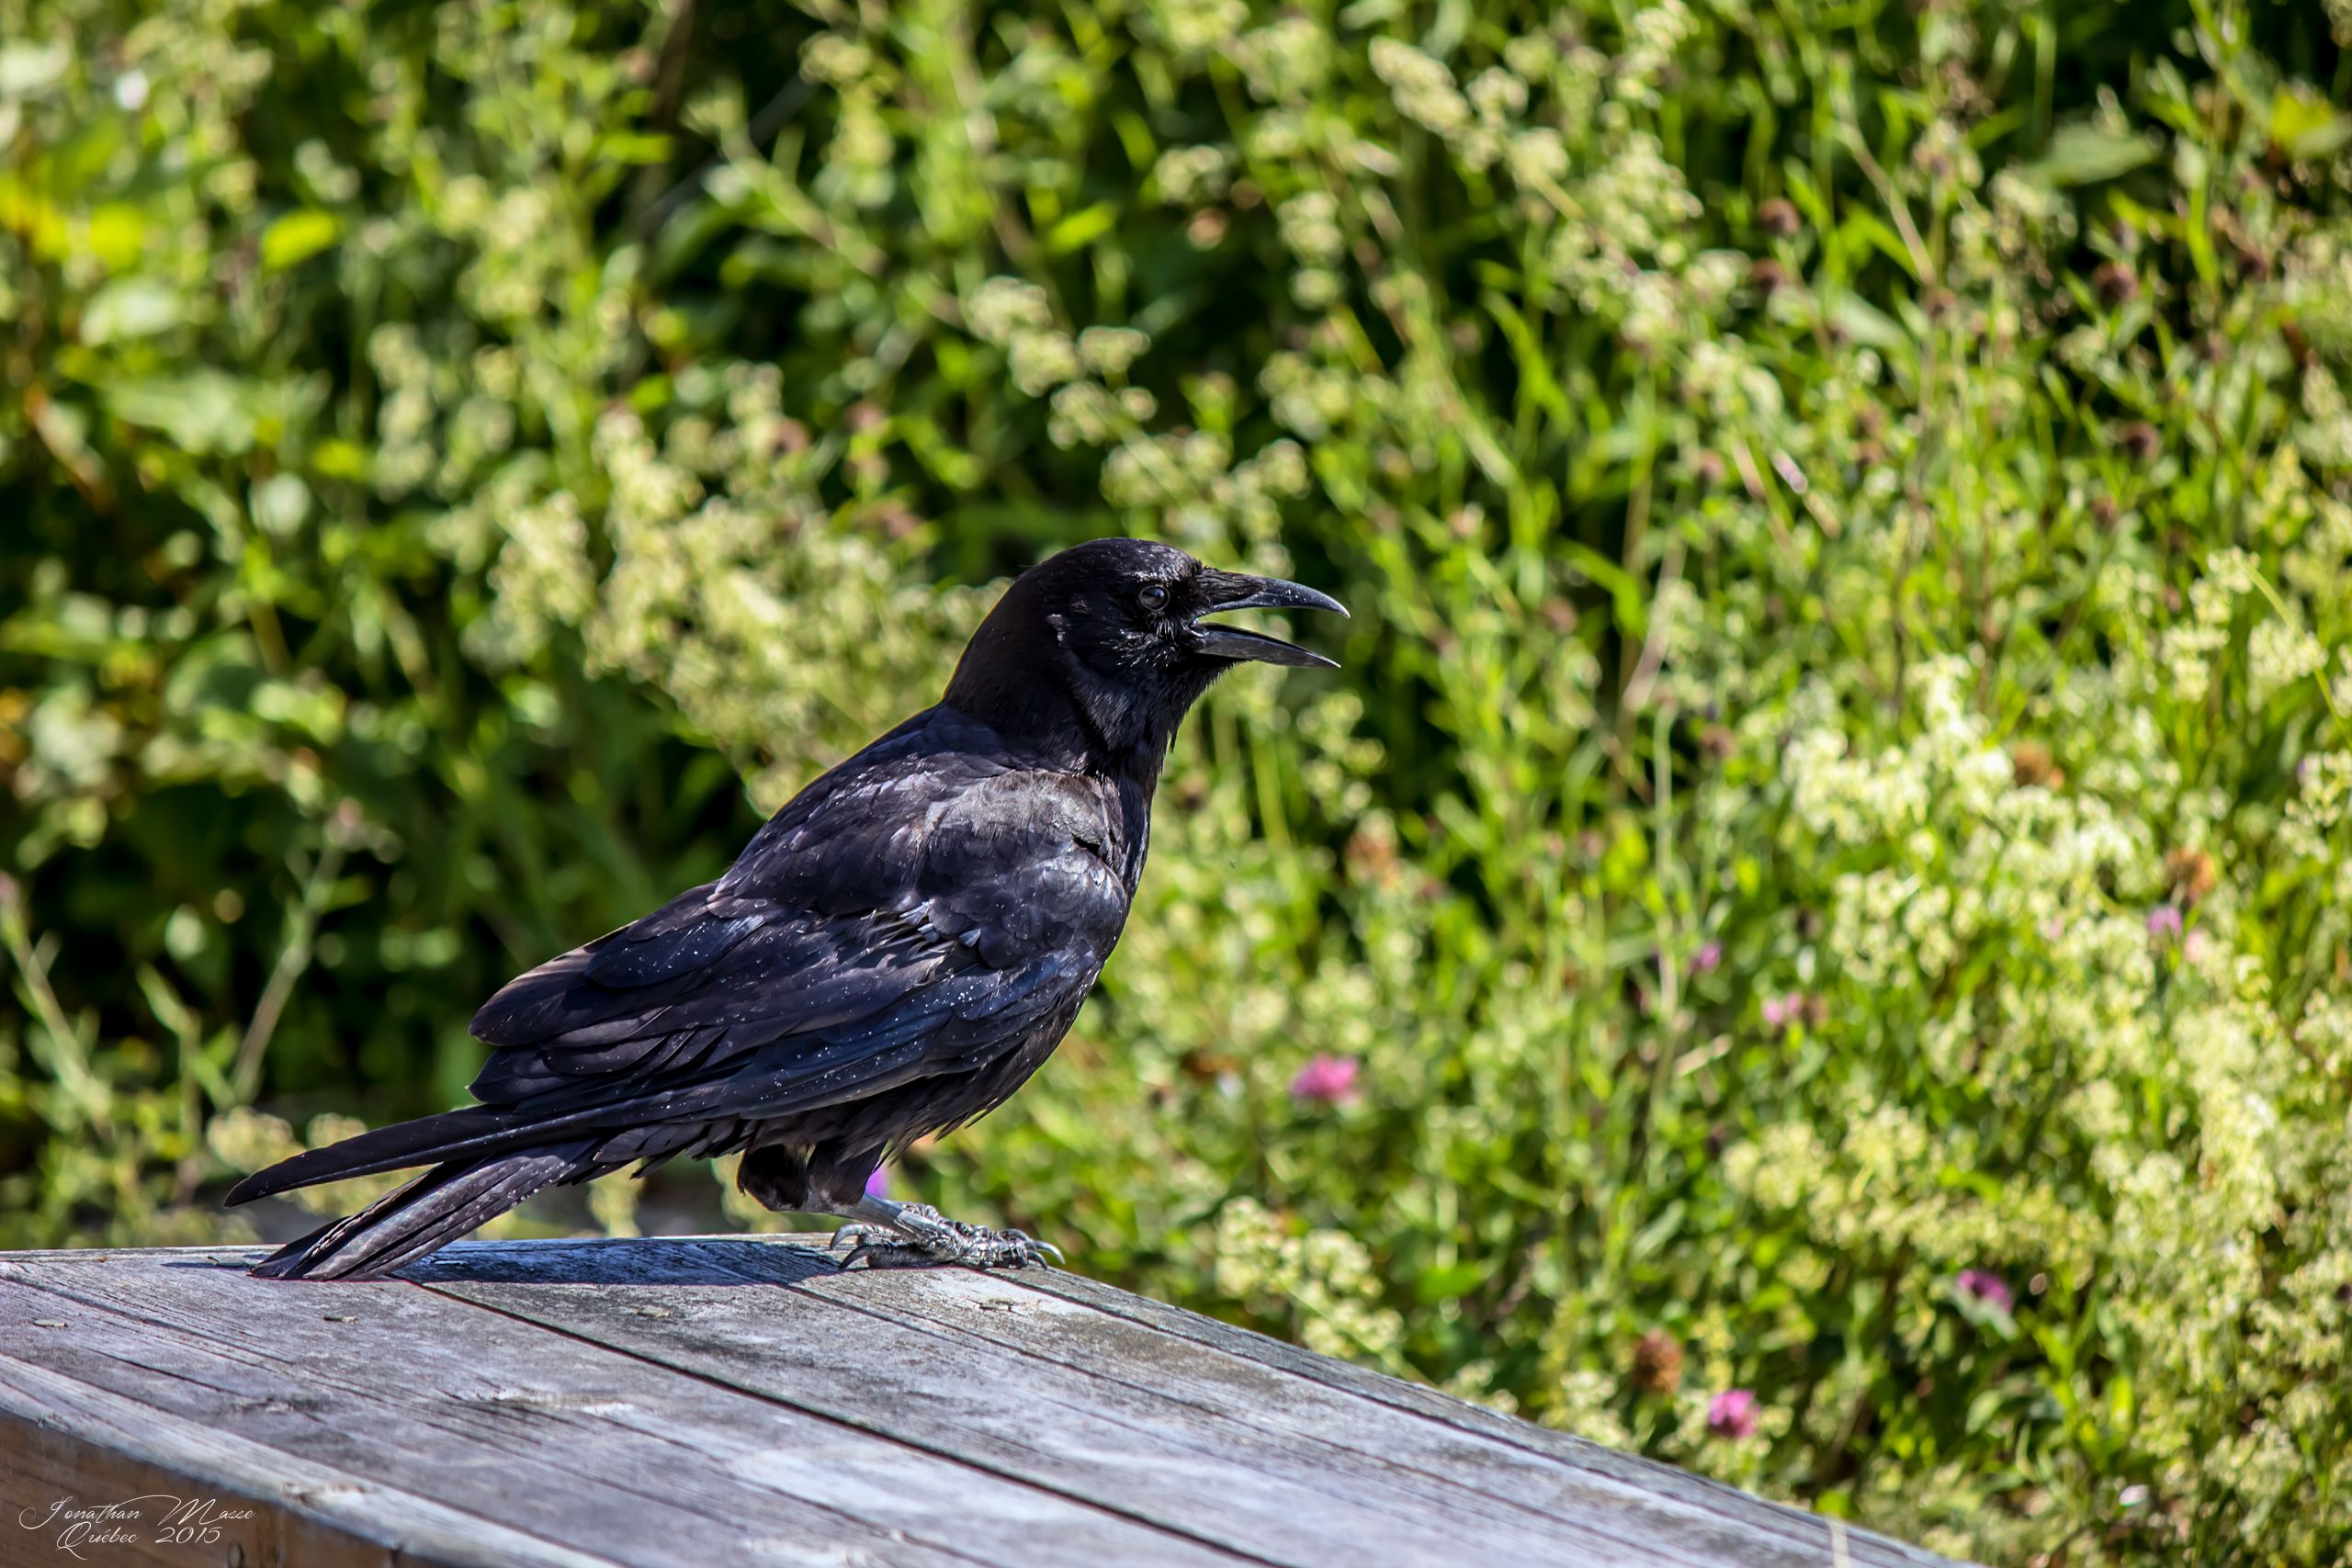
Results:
1232 591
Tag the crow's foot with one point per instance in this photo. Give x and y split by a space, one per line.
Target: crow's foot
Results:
917 1233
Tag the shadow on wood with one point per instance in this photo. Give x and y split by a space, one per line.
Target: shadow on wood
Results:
649 1261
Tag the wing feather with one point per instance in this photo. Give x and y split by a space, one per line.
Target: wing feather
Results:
907 915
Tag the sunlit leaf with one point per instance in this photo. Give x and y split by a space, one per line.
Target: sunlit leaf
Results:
2085 154
296 237
131 308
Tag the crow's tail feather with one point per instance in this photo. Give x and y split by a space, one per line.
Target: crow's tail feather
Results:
428 1213
473 1132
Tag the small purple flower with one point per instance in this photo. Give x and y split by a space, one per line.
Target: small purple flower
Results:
1326 1080
1984 1285
2164 923
1708 959
878 1184
1732 1413
1778 1011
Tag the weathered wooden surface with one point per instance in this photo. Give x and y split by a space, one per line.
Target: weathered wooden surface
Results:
722 1401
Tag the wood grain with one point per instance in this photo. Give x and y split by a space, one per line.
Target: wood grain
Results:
541 1433
732 1401
1810 1534
1187 1471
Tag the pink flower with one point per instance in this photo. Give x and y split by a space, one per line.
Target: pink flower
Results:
878 1184
1708 959
1984 1285
1326 1080
1732 1413
1797 1006
2164 923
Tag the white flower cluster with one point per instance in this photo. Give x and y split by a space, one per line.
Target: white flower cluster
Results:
1653 35
1626 246
1192 25
1192 483
1186 176
1424 88
1015 316
1326 1275
1857 800
542 580
1087 413
701 598
1287 61
1003 308
2187 651
1310 227
2323 795
2279 654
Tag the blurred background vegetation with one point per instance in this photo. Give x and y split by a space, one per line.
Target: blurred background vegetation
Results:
1810 937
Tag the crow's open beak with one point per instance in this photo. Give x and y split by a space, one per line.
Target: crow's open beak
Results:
1231 591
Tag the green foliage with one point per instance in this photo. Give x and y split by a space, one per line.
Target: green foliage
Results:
1828 847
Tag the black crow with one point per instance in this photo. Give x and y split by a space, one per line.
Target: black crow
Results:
891 956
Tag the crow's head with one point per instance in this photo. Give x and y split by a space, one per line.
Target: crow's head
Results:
1114 632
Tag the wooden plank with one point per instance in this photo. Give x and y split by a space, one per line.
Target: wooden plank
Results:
1431 1460
62 1442
1811 1533
724 1400
1170 1430
915 1389
407 1394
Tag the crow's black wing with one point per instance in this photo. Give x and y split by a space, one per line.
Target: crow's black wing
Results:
923 901
918 910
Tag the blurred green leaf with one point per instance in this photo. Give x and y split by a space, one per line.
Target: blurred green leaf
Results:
296 237
204 411
2304 125
2085 154
130 308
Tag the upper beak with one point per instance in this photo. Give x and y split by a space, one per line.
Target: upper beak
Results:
1232 591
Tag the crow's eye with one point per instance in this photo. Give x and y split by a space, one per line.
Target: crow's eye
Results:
1153 597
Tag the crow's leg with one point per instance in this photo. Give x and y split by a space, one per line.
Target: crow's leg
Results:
775 1176
886 1232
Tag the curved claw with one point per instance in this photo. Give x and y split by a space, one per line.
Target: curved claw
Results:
873 1250
856 1235
1032 1250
